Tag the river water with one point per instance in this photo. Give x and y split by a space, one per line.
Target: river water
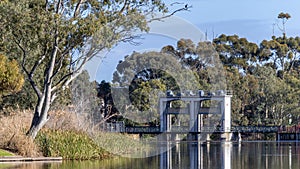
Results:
193 155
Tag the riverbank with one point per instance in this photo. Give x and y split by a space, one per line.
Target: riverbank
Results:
30 159
4 153
62 137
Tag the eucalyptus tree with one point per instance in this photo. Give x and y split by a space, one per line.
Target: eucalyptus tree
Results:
237 52
86 104
202 59
53 40
284 18
282 53
145 77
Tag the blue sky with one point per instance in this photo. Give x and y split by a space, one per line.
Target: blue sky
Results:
252 19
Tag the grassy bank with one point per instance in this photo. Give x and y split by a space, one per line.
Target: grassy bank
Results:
62 136
4 153
121 144
73 145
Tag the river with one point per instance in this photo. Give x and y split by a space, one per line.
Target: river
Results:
193 155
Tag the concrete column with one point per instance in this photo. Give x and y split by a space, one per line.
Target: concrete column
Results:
227 152
163 120
166 157
192 126
227 114
169 122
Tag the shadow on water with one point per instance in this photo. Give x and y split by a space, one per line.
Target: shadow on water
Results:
194 155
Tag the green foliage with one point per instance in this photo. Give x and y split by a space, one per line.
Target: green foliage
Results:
147 76
84 97
11 80
5 153
236 51
121 144
284 15
263 77
53 40
69 145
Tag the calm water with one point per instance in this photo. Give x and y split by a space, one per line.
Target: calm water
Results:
246 155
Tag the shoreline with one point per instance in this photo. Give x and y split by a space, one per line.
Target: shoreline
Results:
7 159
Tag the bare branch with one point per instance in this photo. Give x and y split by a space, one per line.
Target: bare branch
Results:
126 4
60 64
29 75
77 8
36 64
105 119
58 6
176 3
186 8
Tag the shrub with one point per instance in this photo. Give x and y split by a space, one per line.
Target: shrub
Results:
69 145
12 135
121 144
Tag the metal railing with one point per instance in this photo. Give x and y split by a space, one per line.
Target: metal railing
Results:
186 129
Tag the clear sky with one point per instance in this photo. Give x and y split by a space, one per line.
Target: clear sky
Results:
252 19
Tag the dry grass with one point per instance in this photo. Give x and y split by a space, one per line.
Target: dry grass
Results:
12 134
65 127
14 126
67 120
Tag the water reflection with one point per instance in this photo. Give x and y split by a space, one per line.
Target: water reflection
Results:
194 155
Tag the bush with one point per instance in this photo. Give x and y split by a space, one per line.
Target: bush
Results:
122 144
69 145
12 135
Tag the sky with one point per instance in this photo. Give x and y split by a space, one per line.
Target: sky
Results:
252 19
255 20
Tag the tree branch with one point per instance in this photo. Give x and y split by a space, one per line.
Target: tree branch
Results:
36 64
186 8
29 75
124 7
77 8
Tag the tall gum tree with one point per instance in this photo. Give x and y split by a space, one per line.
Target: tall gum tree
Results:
55 39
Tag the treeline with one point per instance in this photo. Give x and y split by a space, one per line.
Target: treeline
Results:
264 79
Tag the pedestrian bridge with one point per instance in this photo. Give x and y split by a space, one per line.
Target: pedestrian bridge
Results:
185 130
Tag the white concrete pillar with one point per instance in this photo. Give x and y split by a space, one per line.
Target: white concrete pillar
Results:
192 117
227 114
163 120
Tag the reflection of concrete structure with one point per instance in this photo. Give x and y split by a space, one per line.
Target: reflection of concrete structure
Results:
196 110
198 156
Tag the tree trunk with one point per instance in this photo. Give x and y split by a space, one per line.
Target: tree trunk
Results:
39 120
41 113
44 102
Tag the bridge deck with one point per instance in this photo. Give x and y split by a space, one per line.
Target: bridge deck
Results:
184 130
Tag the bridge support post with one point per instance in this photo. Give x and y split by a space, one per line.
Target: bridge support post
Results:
228 136
226 107
208 138
163 116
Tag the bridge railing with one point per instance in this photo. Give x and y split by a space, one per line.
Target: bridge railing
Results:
289 129
211 129
175 129
255 129
142 129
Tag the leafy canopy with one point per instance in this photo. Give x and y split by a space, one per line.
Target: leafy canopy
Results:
11 80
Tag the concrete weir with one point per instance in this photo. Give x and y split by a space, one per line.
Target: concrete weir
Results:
199 109
30 159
